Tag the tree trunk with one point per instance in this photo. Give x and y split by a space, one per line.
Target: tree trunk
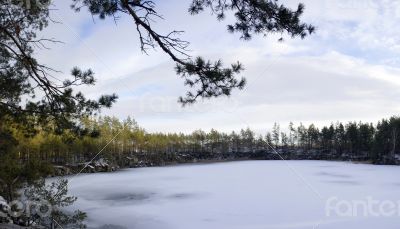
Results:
10 193
394 139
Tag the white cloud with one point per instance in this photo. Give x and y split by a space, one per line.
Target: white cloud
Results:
340 73
319 88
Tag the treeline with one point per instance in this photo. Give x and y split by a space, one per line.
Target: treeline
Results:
121 140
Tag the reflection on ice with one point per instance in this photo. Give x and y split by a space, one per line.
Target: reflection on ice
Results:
129 196
343 182
335 175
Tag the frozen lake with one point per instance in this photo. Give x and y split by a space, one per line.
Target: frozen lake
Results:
243 195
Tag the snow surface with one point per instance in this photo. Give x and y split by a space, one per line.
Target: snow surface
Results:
235 195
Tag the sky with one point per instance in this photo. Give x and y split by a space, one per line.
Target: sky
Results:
349 70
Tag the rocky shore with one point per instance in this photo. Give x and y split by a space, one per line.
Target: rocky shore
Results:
148 160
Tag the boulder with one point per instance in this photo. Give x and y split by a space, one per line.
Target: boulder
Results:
61 170
4 212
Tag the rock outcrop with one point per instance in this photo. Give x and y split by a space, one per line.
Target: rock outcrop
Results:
4 212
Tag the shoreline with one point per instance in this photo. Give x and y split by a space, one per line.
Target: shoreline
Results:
211 161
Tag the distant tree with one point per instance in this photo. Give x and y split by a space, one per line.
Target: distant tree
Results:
366 137
331 134
325 137
302 135
352 137
235 141
200 138
260 143
213 139
386 140
276 134
248 138
225 143
382 140
284 140
395 131
268 140
340 137
312 136
292 138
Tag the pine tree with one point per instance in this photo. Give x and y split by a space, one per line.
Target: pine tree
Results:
205 78
292 135
55 196
268 140
275 134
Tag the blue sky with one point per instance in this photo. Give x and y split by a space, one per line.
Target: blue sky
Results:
348 70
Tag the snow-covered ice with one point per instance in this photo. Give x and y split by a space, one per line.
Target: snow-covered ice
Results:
240 195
